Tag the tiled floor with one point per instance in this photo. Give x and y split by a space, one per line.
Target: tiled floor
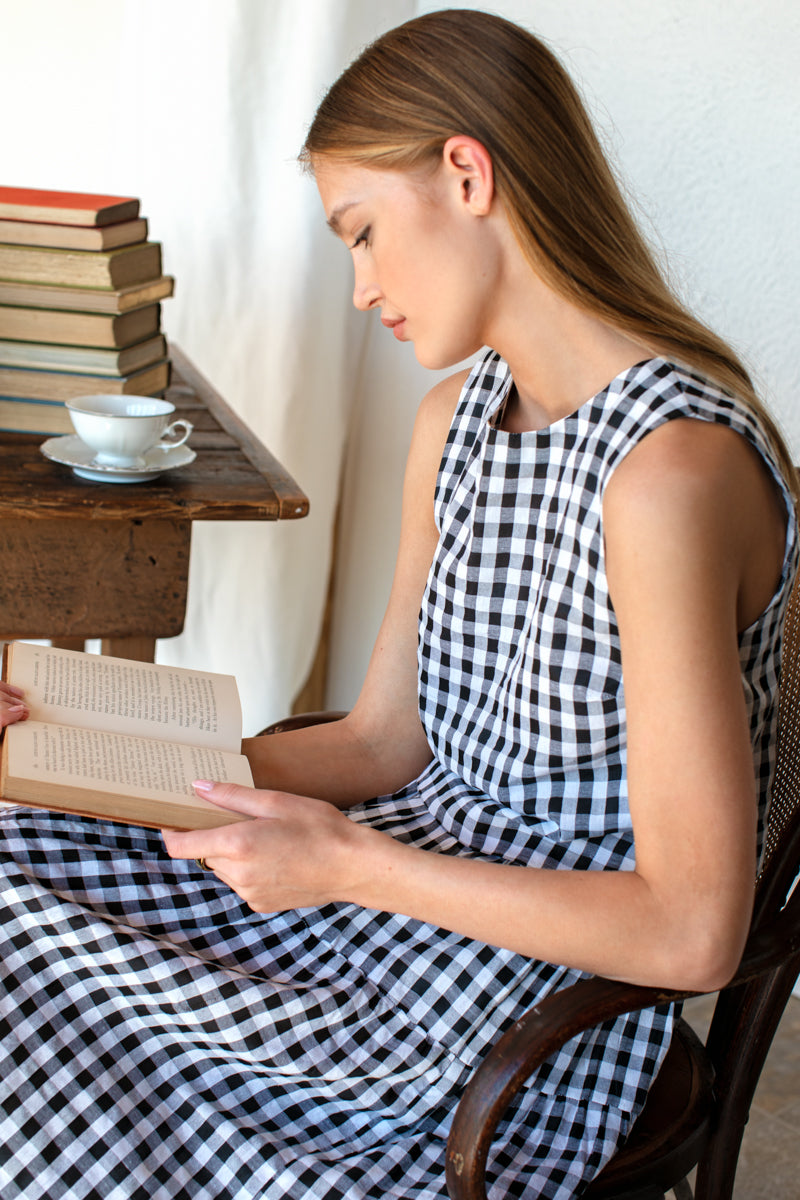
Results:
769 1163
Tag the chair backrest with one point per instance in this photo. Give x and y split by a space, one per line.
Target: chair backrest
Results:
747 1014
779 866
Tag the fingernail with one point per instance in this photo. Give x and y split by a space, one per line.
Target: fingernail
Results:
202 785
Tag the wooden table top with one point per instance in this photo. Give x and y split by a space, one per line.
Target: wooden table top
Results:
233 478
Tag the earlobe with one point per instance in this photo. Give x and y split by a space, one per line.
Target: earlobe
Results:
470 164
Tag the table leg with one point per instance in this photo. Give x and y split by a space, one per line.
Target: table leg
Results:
141 648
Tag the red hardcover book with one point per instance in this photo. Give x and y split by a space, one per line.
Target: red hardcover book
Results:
65 208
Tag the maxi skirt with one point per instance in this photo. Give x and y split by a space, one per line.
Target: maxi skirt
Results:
160 1041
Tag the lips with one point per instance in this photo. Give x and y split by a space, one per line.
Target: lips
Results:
397 326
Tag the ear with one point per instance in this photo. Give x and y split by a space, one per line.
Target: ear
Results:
469 164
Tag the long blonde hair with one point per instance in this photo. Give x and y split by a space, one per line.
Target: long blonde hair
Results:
460 71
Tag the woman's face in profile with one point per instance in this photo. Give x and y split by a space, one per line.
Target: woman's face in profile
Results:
417 256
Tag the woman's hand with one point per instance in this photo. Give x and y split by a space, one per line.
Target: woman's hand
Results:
12 705
297 852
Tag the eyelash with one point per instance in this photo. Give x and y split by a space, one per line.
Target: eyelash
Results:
363 237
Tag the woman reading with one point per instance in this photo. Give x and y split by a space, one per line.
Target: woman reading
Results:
560 760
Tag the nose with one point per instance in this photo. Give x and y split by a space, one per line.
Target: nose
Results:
366 293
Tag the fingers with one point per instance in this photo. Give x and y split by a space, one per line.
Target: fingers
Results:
10 713
12 705
193 843
221 841
251 802
225 845
289 856
201 843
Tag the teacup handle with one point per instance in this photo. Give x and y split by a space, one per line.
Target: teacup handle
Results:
171 444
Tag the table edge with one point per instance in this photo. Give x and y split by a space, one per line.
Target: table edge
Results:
292 501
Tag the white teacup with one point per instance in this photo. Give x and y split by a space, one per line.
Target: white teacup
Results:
121 429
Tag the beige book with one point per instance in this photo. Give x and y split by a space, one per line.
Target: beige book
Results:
34 416
85 299
73 237
79 329
118 268
119 739
27 383
86 360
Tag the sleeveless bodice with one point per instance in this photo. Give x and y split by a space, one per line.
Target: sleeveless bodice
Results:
521 691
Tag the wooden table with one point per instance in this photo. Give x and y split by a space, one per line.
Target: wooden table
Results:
85 560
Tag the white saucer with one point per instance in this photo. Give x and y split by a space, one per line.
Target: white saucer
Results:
70 451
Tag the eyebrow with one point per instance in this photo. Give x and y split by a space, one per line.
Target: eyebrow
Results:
335 219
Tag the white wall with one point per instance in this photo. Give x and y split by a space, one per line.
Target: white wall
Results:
699 103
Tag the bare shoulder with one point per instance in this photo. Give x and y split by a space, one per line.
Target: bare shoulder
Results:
688 461
698 489
431 427
439 404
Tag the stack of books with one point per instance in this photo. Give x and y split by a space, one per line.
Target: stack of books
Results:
80 286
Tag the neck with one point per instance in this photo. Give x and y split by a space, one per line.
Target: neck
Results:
559 355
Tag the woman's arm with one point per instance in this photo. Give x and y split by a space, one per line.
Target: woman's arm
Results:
380 745
694 536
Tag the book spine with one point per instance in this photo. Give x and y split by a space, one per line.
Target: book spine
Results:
61 327
34 416
81 268
29 384
86 299
85 361
73 237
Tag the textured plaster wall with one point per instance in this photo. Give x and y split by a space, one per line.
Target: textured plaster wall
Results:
699 105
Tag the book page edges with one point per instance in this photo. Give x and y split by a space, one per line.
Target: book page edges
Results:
103 800
130 810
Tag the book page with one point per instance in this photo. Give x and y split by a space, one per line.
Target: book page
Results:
53 760
94 691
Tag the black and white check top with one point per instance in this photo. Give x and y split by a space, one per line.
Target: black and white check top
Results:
159 1041
521 690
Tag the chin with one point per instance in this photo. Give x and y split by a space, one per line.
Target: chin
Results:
444 359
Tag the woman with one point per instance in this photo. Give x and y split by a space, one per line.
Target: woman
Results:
567 719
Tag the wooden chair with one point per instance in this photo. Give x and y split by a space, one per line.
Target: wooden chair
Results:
698 1105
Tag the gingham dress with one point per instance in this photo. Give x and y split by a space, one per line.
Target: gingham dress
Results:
158 1041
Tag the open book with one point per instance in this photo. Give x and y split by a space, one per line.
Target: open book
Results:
120 739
